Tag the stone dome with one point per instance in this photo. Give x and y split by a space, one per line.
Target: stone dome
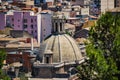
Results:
62 47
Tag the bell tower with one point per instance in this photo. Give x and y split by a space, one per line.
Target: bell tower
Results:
58 22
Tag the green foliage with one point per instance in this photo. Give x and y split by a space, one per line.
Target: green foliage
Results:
22 76
2 58
67 32
4 77
103 50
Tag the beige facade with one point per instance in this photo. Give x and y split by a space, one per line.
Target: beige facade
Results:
84 11
29 2
107 4
80 2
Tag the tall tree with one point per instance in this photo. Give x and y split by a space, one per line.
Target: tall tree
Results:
2 58
103 50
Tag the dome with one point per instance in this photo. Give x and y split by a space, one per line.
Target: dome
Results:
62 47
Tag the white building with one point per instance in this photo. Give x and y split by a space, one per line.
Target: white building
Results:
85 11
107 4
46 25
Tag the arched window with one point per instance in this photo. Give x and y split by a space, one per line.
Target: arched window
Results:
47 59
60 26
56 27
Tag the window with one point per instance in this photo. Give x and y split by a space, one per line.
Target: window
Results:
36 37
12 19
18 20
65 21
25 26
47 59
35 20
56 27
60 26
18 25
12 24
25 20
31 26
31 32
31 20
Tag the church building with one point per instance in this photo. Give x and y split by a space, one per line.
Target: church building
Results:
59 53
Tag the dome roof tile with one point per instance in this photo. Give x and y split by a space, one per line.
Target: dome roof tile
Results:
64 48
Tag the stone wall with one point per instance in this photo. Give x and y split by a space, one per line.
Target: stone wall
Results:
44 72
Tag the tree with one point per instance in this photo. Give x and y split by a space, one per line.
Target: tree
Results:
2 58
103 50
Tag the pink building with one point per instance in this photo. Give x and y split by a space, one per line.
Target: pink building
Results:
2 21
38 25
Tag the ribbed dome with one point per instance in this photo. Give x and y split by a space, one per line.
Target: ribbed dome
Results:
63 48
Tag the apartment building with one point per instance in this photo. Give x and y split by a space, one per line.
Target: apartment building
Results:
2 21
28 21
46 25
107 5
